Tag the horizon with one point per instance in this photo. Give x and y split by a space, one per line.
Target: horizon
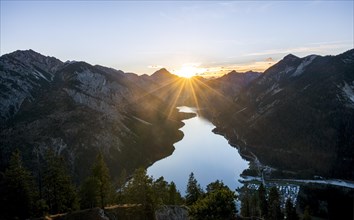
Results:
187 38
177 74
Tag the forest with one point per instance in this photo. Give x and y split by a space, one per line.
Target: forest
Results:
52 191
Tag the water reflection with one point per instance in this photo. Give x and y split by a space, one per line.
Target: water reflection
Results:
207 155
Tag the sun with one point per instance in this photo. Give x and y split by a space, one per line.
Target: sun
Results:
189 70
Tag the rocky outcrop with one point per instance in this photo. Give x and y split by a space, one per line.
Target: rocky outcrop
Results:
172 213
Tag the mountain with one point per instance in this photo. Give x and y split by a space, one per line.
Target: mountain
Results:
77 110
297 116
162 76
233 82
23 75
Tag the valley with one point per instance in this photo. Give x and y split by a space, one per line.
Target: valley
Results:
293 122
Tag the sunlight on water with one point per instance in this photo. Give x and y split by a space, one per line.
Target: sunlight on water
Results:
207 155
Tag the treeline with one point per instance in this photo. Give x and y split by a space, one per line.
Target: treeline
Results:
24 196
52 191
262 205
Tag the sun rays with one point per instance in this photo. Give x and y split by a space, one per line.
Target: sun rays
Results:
184 88
189 70
165 96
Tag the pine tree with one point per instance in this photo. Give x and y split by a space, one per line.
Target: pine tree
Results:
245 203
254 206
194 191
139 191
89 193
122 180
160 188
58 190
102 180
262 201
218 203
174 197
274 211
21 192
290 211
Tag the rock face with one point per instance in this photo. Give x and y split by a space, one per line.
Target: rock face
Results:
124 212
172 213
298 115
77 109
23 75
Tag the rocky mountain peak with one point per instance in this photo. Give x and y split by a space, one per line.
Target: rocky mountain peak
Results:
290 57
162 75
162 71
233 72
33 59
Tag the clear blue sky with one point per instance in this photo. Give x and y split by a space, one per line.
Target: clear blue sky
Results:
137 36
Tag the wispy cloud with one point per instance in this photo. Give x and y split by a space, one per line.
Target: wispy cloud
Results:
255 65
311 48
269 59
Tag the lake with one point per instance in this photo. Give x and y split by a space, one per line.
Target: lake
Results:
206 154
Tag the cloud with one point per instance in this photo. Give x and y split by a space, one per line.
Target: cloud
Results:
255 65
312 48
269 59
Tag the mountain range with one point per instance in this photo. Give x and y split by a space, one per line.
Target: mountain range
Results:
297 116
77 110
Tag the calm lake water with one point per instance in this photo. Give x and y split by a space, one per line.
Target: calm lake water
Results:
207 155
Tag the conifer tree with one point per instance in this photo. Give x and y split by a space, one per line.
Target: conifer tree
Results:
274 211
194 191
254 205
122 180
89 193
161 191
290 211
102 180
139 191
218 203
174 197
262 201
245 203
58 190
21 192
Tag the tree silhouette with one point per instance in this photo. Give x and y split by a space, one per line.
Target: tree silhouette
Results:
139 191
262 201
102 180
290 211
218 203
58 190
21 193
194 191
274 211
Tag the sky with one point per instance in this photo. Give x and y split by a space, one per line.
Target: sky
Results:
205 37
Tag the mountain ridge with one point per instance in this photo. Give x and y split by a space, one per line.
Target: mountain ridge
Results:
77 110
307 102
309 112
